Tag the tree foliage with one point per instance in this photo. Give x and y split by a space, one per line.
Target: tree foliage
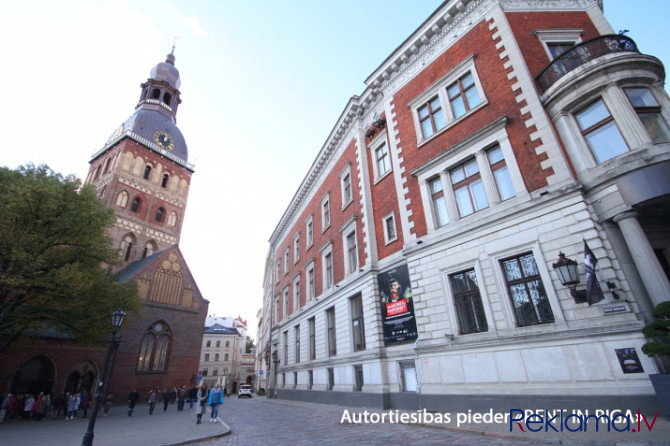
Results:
56 259
249 345
659 329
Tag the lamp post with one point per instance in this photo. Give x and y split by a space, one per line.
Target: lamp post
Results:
117 320
569 276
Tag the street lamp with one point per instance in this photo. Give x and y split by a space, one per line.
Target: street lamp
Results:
569 277
117 320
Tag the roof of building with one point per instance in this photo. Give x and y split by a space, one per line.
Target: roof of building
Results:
220 329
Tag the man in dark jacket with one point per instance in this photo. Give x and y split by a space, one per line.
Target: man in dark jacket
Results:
132 400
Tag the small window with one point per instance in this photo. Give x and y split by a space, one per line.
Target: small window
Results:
330 332
352 251
206 357
147 171
431 117
159 214
227 344
468 302
358 377
309 230
122 199
286 302
296 248
216 357
601 132
357 326
166 177
208 343
325 213
558 48
649 112
136 205
286 257
438 201
167 98
527 291
310 282
390 233
501 173
331 378
468 188
155 93
463 95
226 357
296 294
345 185
382 160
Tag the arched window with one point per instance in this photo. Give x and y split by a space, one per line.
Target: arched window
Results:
226 357
216 356
155 93
129 249
149 249
106 168
136 205
147 171
97 173
167 98
166 177
154 348
172 219
122 199
159 214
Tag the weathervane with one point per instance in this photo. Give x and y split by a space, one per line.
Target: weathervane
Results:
174 44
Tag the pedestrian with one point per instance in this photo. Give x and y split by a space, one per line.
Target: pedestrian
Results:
214 401
15 407
201 397
132 400
167 396
85 403
42 406
152 401
182 393
4 408
28 406
59 405
192 395
71 406
108 403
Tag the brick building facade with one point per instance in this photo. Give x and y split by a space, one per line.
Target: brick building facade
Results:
416 259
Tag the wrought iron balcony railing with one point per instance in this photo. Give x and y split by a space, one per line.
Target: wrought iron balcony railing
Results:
582 53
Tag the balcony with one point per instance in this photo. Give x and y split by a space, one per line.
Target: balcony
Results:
582 53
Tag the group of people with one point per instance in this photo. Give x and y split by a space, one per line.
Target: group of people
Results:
36 407
199 397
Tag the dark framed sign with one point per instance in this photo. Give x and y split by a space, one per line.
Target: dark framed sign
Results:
397 306
629 361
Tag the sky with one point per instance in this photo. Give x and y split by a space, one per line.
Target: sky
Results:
262 85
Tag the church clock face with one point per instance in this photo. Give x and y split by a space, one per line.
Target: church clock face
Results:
164 140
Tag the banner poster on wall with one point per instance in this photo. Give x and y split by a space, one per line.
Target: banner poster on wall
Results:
397 306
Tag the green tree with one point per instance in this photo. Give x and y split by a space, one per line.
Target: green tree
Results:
249 347
56 259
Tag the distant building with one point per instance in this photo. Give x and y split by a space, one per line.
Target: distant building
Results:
414 267
223 357
142 172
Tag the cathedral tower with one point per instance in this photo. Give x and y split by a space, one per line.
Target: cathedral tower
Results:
142 171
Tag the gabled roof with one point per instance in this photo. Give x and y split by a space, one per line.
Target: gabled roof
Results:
220 329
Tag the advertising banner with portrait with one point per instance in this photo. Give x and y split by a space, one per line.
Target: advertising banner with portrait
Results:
397 306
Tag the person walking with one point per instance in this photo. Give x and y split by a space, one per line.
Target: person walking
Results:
167 396
108 403
201 397
182 393
192 395
132 400
214 401
71 407
152 401
4 408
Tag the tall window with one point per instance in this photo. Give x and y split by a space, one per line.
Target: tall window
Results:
311 323
159 214
296 294
382 160
206 359
347 195
226 357
431 117
468 302
357 327
327 270
310 282
501 173
286 257
358 378
216 357
330 332
649 112
463 95
166 177
468 188
122 199
352 251
439 203
136 205
286 302
390 233
309 229
296 248
297 342
601 132
154 349
325 213
286 347
526 290
147 171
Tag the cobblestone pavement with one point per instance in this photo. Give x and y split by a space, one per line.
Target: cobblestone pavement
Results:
258 421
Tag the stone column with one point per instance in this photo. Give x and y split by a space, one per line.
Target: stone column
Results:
654 278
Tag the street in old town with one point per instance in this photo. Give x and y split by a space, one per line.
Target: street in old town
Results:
261 421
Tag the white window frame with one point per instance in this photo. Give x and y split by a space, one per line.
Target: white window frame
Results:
296 293
310 281
550 36
327 282
309 230
376 144
388 238
325 216
296 248
347 231
345 176
285 293
478 146
439 89
286 261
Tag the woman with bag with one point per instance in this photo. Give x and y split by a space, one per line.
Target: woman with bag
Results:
202 400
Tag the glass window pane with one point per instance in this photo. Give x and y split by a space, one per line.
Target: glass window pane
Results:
606 142
439 120
423 112
441 211
471 168
478 195
495 155
426 128
504 182
458 107
457 175
467 80
592 114
435 185
473 97
463 200
641 97
656 127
